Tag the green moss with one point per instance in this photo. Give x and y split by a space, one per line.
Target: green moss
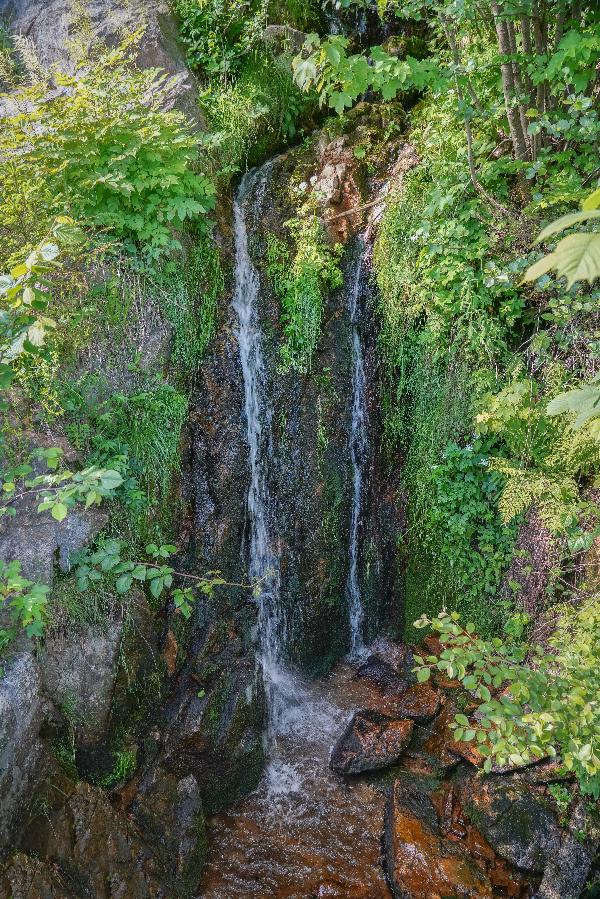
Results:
190 292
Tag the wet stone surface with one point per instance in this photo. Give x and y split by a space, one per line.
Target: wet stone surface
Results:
371 741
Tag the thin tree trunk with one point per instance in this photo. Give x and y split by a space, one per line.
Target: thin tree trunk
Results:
518 81
560 24
451 38
508 85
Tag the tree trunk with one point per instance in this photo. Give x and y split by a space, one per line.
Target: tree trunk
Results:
513 114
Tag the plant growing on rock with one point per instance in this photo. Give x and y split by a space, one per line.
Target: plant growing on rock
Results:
531 702
102 148
25 294
154 571
301 279
25 601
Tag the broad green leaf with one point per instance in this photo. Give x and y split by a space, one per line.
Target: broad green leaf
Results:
59 511
566 221
577 258
593 201
123 583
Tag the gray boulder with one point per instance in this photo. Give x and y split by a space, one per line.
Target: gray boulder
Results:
52 27
518 823
22 710
78 674
566 872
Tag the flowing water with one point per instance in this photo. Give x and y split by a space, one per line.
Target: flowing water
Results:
303 832
263 566
359 447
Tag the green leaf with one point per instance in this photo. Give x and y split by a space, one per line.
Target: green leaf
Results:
566 221
423 674
577 258
593 201
59 511
123 583
156 587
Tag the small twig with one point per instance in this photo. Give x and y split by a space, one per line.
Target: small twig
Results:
357 209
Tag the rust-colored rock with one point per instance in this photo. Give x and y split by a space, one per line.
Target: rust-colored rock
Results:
370 742
420 702
420 863
436 739
169 653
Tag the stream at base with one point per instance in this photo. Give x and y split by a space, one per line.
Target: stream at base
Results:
304 832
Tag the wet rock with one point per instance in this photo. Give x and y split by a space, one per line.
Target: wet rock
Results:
516 821
419 862
566 872
371 741
215 733
22 709
100 849
435 740
170 816
420 702
399 655
78 674
382 674
30 878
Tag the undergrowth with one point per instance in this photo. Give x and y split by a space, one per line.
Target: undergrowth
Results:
301 277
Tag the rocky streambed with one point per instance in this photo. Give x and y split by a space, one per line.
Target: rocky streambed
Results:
367 795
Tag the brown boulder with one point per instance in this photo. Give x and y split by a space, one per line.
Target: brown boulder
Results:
420 702
29 878
382 674
371 741
420 863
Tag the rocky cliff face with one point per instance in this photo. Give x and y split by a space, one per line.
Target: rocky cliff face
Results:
310 469
55 28
183 707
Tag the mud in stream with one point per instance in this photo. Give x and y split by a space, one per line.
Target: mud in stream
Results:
304 832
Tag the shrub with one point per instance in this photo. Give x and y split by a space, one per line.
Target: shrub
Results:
547 702
103 149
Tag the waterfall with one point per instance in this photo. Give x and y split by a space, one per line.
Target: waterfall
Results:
280 686
359 447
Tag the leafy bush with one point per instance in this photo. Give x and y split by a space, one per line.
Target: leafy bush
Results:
474 543
300 279
25 601
533 701
103 150
220 34
254 115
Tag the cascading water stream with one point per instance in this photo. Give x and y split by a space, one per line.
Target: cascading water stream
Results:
280 687
301 832
359 447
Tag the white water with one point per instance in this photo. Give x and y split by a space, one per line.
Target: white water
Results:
283 695
359 447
